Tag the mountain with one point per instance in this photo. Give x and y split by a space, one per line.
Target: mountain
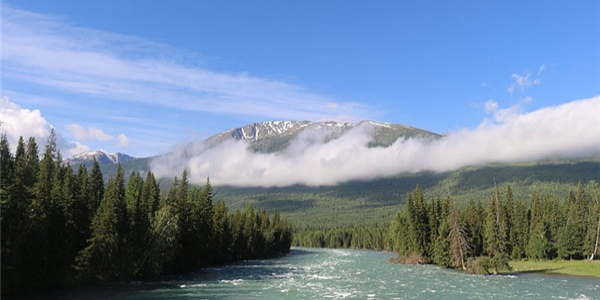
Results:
370 200
275 136
102 157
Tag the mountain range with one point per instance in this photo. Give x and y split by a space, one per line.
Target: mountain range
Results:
102 157
275 136
364 200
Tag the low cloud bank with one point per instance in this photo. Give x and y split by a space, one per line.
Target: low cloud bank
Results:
565 131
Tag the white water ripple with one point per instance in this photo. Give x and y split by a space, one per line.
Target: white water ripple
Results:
343 274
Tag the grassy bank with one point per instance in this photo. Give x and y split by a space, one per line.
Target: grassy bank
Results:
564 267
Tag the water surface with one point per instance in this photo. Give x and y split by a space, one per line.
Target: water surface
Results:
343 274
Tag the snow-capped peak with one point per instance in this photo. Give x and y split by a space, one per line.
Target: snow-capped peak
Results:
101 156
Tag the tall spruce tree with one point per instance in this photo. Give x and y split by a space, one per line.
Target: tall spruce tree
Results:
11 217
571 241
457 235
103 258
96 188
496 233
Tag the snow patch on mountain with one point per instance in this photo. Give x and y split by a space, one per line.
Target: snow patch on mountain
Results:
102 157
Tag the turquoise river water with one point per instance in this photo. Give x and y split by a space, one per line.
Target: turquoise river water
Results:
342 274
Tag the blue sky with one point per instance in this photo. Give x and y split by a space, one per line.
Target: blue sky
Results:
141 76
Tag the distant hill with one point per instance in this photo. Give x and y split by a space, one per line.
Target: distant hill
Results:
377 200
366 201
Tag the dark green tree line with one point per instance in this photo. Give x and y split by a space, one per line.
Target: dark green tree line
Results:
489 236
62 228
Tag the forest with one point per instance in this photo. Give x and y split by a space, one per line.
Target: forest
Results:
479 237
64 228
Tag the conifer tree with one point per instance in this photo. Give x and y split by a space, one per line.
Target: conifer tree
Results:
11 216
458 238
539 247
520 231
96 188
150 198
474 226
45 215
103 258
495 231
221 237
592 222
572 235
441 244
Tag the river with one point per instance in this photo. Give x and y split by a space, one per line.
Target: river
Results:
342 274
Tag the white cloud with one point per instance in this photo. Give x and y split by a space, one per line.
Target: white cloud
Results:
503 115
123 140
47 51
17 121
568 130
91 133
76 148
542 69
522 82
20 122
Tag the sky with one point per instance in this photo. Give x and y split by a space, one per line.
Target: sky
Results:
141 77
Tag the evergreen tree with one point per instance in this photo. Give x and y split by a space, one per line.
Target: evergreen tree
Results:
11 218
96 188
458 238
221 237
495 231
474 226
592 241
520 231
150 198
103 258
46 218
572 235
441 244
77 209
164 243
539 246
138 219
418 222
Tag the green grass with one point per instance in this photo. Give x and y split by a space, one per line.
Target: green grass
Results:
563 267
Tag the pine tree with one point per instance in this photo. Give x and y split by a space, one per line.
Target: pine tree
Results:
474 227
103 258
11 218
96 188
150 198
221 233
418 222
441 245
138 234
520 231
458 238
592 239
539 246
572 236
46 216
495 230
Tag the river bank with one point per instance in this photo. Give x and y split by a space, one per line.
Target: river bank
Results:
562 267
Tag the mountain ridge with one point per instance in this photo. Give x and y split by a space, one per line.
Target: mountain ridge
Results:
274 136
103 157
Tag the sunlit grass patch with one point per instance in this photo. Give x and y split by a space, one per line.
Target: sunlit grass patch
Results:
565 267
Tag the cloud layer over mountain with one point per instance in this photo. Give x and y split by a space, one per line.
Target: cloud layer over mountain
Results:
564 131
